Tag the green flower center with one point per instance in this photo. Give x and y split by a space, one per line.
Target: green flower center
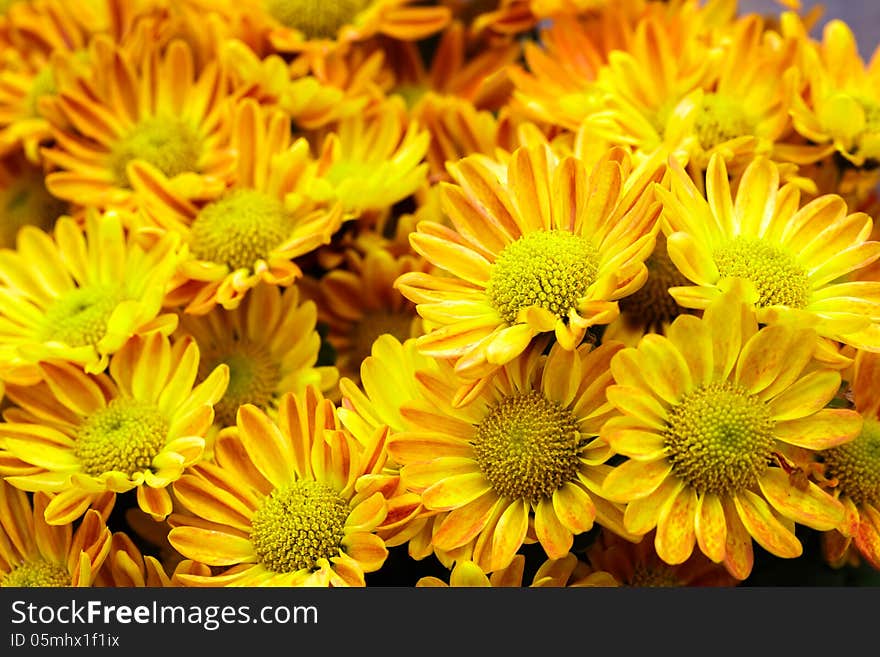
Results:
80 317
651 306
779 279
168 143
239 229
719 119
528 446
719 438
26 201
371 326
297 525
34 574
254 376
124 437
856 465
317 19
551 269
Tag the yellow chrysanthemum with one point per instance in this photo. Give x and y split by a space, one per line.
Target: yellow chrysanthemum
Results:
521 462
562 572
270 345
249 232
797 258
359 303
538 245
79 295
136 427
637 565
853 471
318 26
35 554
127 567
705 415
281 504
155 108
24 200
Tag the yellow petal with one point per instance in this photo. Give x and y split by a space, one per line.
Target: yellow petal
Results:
691 259
810 506
574 508
675 536
210 547
807 396
554 537
462 525
510 532
456 491
634 479
710 527
828 428
764 527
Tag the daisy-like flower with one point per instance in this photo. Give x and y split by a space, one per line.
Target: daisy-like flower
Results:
797 258
359 303
249 232
153 107
565 571
270 345
79 295
136 427
638 565
538 245
853 471
126 566
281 505
34 553
705 416
24 200
521 462
316 26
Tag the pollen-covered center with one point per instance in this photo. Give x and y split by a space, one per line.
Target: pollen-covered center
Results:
719 438
26 201
297 525
124 437
365 331
720 119
240 228
317 19
170 144
528 446
777 276
254 376
651 306
551 269
856 465
654 577
36 573
79 318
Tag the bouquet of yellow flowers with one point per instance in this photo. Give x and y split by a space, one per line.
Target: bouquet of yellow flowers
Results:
524 293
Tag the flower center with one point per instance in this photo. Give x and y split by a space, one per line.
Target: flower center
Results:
719 119
80 317
777 276
528 446
240 228
43 84
856 465
26 201
367 330
317 19
651 306
124 436
38 573
551 269
719 438
646 577
169 144
297 525
253 378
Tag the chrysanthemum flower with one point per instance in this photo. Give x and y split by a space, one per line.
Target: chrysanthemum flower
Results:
315 25
638 565
797 258
24 200
78 296
359 303
154 108
539 245
565 571
521 462
704 414
126 566
270 345
853 471
34 553
136 428
249 232
280 505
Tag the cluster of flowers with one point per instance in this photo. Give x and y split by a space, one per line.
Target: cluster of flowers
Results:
286 285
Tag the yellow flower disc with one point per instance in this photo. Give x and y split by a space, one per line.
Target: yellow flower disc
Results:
253 377
317 19
80 316
37 573
720 119
778 278
856 465
169 144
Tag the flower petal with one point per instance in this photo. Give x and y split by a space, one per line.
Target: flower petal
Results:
828 428
675 537
554 537
764 527
710 527
211 547
810 506
456 491
634 479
